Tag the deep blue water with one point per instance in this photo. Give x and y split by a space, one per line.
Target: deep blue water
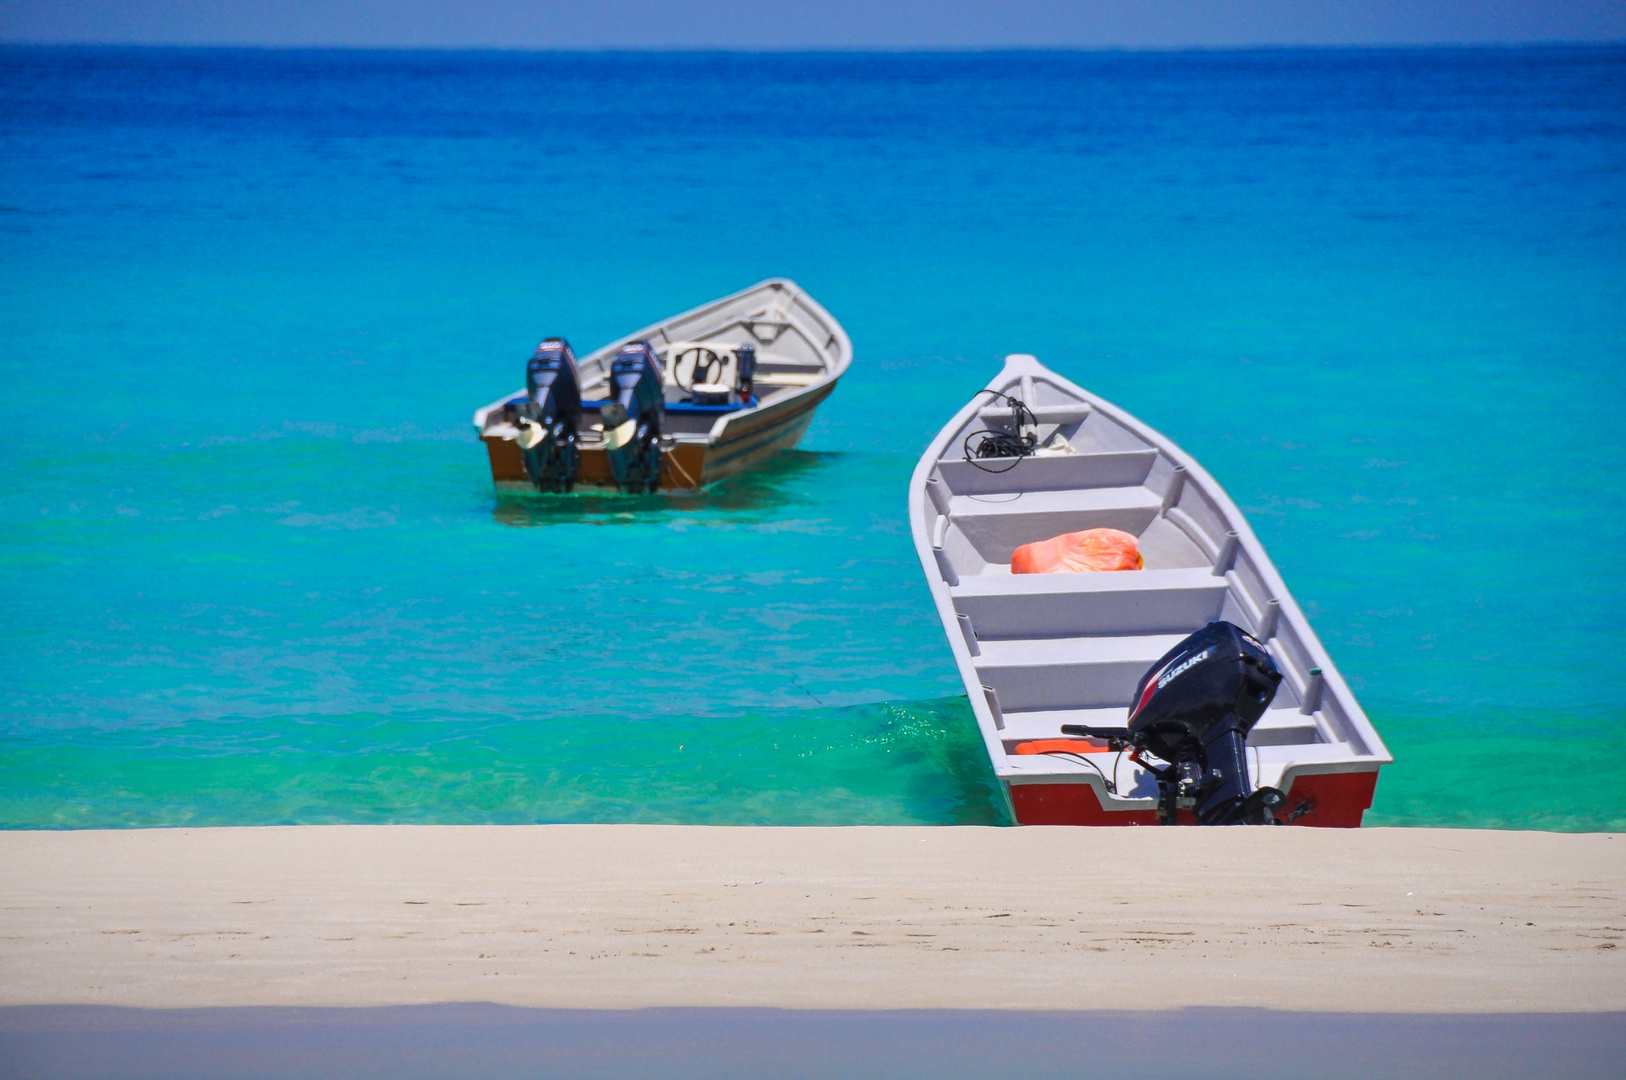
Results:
252 569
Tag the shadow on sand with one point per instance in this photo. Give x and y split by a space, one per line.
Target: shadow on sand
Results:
496 1042
781 481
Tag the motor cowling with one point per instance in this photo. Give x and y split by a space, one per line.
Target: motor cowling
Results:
633 418
549 419
1194 709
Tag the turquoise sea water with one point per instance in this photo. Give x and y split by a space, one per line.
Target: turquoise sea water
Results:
252 569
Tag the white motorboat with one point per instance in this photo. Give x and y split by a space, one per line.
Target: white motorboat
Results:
676 405
1043 652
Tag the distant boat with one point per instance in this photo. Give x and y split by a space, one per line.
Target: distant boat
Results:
676 405
1042 651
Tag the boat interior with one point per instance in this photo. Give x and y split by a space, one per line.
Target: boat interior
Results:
1068 648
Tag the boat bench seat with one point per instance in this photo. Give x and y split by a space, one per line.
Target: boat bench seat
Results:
1278 727
1099 469
1046 723
782 378
1074 605
996 525
1034 674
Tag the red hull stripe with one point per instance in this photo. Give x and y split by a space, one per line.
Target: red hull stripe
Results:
1325 800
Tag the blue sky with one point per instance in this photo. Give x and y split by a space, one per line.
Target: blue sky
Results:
782 24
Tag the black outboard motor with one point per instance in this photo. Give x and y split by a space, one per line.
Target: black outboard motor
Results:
550 417
632 419
1194 710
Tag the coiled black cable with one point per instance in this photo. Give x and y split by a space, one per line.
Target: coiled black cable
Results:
1004 444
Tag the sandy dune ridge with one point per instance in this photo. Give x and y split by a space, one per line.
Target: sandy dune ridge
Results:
627 916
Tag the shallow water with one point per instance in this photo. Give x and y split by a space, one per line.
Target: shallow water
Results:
253 570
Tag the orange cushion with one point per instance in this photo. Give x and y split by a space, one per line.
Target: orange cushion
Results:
1066 746
1077 552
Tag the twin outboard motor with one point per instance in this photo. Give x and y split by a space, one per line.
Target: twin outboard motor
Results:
632 418
1194 710
550 417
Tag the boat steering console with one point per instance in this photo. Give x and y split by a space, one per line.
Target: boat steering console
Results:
1192 711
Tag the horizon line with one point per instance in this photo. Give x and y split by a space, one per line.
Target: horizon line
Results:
1263 46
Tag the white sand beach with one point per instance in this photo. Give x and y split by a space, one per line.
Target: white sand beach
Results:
626 916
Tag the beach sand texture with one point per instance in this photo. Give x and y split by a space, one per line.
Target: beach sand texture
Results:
628 916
